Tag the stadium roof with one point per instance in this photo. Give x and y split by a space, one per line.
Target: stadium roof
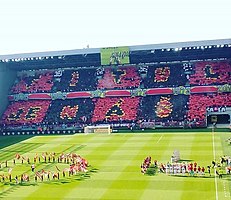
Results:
151 53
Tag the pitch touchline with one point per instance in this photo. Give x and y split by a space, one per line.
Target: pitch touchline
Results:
214 157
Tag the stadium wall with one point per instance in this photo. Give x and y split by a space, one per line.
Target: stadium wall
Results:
7 78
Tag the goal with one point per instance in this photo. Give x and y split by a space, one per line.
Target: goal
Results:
98 129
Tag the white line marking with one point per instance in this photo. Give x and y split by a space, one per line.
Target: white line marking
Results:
159 139
214 157
226 191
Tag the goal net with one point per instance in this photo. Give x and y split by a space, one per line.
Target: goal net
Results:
98 129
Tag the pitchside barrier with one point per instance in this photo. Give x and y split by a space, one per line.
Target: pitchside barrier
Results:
37 132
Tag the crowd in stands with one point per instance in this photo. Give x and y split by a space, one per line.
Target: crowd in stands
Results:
70 80
198 104
115 109
211 73
76 80
66 112
32 84
167 109
164 110
25 112
129 77
165 76
120 78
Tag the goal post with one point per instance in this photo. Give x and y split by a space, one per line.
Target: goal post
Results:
98 129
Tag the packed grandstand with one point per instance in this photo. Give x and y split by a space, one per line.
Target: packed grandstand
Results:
134 94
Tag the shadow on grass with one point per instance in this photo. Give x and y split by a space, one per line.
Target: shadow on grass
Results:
72 178
152 170
78 177
185 160
9 140
188 176
64 180
13 187
21 184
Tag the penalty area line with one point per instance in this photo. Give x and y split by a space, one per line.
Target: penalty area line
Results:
159 139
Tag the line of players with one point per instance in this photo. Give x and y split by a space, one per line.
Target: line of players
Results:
189 168
182 168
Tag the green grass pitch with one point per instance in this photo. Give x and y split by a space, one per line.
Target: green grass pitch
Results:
115 166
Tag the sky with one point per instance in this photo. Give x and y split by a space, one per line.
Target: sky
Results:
49 25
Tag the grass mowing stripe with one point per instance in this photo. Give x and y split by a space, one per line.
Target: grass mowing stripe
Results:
226 149
115 143
23 148
133 187
10 154
198 152
92 145
120 164
10 140
166 147
26 148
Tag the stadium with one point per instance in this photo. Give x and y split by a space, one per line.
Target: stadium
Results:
127 122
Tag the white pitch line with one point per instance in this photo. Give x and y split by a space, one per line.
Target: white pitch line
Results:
159 139
214 157
226 191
